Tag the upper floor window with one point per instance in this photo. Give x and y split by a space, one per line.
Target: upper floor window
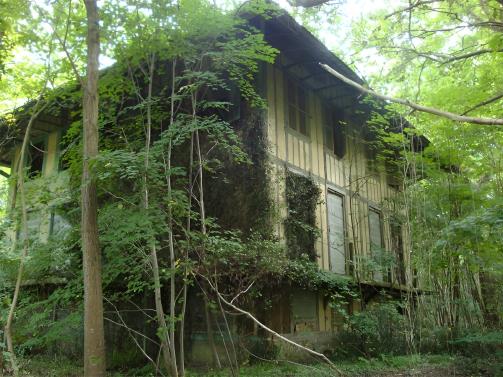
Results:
334 135
35 158
298 117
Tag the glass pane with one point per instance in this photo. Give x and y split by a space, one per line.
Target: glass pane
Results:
375 229
337 248
292 117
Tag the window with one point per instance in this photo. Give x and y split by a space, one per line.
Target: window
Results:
304 311
336 236
35 158
372 158
33 225
397 247
302 196
297 108
335 138
59 227
376 241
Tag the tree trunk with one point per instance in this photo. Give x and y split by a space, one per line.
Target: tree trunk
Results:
94 339
161 322
26 242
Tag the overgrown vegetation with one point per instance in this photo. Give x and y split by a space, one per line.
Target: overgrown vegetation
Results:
302 197
187 225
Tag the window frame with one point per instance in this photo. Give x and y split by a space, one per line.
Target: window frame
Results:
332 123
43 139
382 242
290 82
331 191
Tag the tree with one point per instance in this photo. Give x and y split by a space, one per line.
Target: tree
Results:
94 337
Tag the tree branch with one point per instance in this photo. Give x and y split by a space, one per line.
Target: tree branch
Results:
415 106
410 7
274 333
4 174
486 102
470 55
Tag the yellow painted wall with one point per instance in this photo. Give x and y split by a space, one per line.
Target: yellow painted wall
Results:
51 182
348 176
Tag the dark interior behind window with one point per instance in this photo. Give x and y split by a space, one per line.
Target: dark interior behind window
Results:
35 158
335 138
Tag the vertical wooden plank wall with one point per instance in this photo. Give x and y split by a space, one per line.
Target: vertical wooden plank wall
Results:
348 176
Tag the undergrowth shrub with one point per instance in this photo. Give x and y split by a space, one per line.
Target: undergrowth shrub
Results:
261 348
378 330
480 352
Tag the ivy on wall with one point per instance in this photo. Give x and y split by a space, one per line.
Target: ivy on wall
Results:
302 197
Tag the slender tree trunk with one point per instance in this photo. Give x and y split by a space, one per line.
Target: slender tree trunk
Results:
165 346
172 285
181 338
202 215
26 242
94 339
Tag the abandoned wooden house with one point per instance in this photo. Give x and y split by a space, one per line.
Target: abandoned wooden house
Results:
315 132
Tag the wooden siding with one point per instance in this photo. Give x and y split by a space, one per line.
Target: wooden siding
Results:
349 176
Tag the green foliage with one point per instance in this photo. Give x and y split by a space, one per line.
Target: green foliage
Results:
378 330
261 348
210 52
307 274
60 367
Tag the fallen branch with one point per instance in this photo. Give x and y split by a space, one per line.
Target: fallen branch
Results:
415 106
271 331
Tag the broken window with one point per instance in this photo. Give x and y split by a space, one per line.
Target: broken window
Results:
335 138
297 108
35 158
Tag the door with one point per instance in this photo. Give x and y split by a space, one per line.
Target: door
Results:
337 249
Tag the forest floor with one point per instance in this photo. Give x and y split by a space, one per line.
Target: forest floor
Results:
389 366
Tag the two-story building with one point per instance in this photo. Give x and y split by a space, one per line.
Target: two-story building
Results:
315 126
